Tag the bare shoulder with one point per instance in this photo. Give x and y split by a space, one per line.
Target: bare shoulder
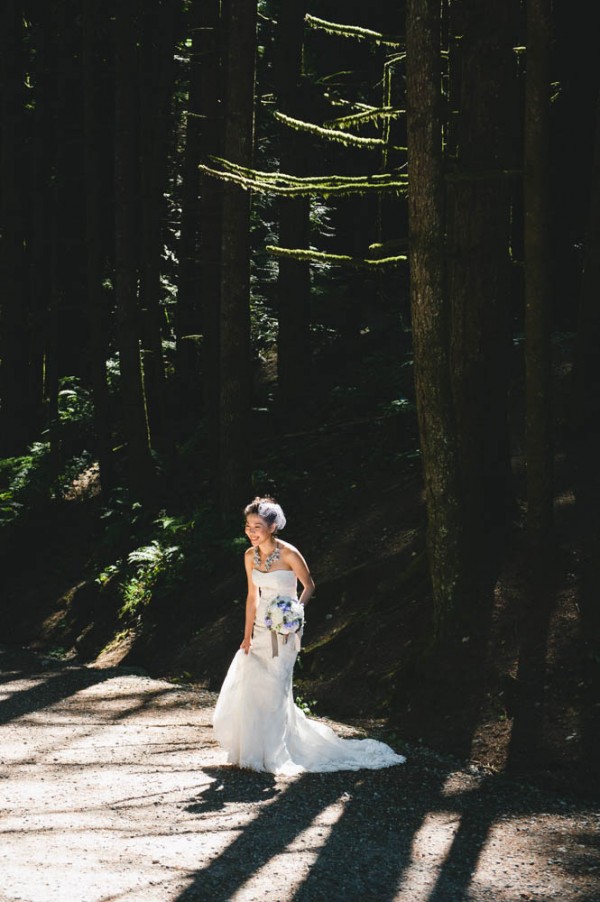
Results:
249 555
288 551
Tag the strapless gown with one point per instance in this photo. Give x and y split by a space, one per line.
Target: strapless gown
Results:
256 720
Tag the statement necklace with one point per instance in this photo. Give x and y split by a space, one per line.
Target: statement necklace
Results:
269 560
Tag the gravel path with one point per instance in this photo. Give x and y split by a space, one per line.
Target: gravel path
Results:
112 788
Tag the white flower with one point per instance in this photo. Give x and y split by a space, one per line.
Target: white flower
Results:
284 615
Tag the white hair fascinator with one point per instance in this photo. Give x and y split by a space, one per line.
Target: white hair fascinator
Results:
271 512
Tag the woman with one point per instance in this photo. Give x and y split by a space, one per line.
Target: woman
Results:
255 719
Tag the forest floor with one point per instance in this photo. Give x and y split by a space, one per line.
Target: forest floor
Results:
109 757
522 703
113 789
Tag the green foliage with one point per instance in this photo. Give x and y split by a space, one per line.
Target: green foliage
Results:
24 481
105 575
263 325
154 565
306 705
74 402
176 550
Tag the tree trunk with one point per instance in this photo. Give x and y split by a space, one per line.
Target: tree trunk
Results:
72 315
584 455
133 407
478 217
97 303
538 273
188 324
586 382
156 85
15 426
43 151
197 318
293 283
235 370
211 218
430 313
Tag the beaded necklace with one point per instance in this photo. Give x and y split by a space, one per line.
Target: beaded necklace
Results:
270 558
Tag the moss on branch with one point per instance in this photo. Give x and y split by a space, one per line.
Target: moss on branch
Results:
313 256
352 31
304 186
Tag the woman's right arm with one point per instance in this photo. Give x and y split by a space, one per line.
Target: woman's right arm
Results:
251 602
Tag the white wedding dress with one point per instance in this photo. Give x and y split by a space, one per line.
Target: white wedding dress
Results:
256 720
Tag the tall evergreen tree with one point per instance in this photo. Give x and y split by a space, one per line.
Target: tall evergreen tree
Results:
430 312
293 284
156 74
133 407
538 272
15 426
235 370
478 227
96 296
199 252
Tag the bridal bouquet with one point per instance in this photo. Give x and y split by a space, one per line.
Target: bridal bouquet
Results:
284 615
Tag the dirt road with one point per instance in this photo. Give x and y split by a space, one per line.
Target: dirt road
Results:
112 788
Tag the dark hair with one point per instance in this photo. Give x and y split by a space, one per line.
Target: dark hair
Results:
268 509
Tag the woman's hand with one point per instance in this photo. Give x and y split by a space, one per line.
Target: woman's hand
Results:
245 646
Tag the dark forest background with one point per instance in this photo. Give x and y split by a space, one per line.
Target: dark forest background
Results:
347 255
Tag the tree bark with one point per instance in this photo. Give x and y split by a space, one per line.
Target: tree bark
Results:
188 324
156 84
133 406
538 274
430 313
15 425
97 302
235 369
43 151
293 283
199 287
211 218
478 217
586 381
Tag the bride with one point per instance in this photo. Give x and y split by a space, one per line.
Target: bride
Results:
255 719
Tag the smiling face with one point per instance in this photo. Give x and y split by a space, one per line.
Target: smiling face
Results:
258 530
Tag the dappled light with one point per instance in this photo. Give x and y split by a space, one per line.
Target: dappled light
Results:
114 789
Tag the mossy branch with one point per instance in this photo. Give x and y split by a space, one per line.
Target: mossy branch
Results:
352 31
373 115
296 186
329 134
312 256
381 249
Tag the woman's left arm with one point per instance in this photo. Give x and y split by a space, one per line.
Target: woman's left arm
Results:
300 568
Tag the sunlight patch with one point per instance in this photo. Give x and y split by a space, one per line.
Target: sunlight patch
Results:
430 847
287 870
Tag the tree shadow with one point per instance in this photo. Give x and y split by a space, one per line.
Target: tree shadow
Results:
354 863
54 687
233 784
268 835
526 694
497 798
378 837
